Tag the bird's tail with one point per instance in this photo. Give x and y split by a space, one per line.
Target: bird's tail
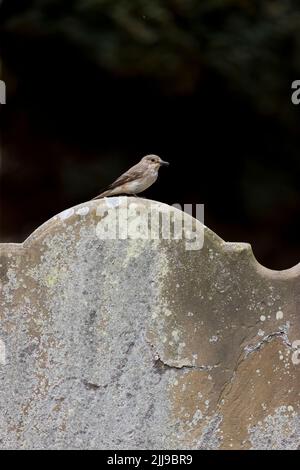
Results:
104 194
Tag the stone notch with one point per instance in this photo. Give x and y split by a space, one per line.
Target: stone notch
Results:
143 343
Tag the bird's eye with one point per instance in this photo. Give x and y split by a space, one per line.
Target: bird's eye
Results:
152 160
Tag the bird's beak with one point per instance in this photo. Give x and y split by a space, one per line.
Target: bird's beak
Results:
162 163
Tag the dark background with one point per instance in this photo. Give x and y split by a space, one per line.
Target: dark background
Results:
93 85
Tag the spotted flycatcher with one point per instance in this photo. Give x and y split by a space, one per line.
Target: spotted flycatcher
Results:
136 179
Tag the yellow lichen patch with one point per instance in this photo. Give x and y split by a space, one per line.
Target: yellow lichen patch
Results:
52 278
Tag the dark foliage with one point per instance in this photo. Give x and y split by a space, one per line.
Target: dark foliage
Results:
95 84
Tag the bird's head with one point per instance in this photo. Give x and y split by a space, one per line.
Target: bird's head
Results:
153 161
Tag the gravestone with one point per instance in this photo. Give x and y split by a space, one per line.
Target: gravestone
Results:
145 340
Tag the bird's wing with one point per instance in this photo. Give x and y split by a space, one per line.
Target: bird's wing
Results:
135 173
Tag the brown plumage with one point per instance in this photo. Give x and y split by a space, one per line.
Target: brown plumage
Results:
136 179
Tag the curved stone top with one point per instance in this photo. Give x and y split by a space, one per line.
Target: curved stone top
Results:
95 208
120 330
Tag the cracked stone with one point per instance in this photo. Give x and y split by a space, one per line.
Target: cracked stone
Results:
100 348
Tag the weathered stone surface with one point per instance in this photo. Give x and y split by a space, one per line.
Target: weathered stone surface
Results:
140 343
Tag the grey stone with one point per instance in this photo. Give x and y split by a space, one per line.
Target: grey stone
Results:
142 343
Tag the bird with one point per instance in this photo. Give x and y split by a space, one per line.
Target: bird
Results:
138 178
